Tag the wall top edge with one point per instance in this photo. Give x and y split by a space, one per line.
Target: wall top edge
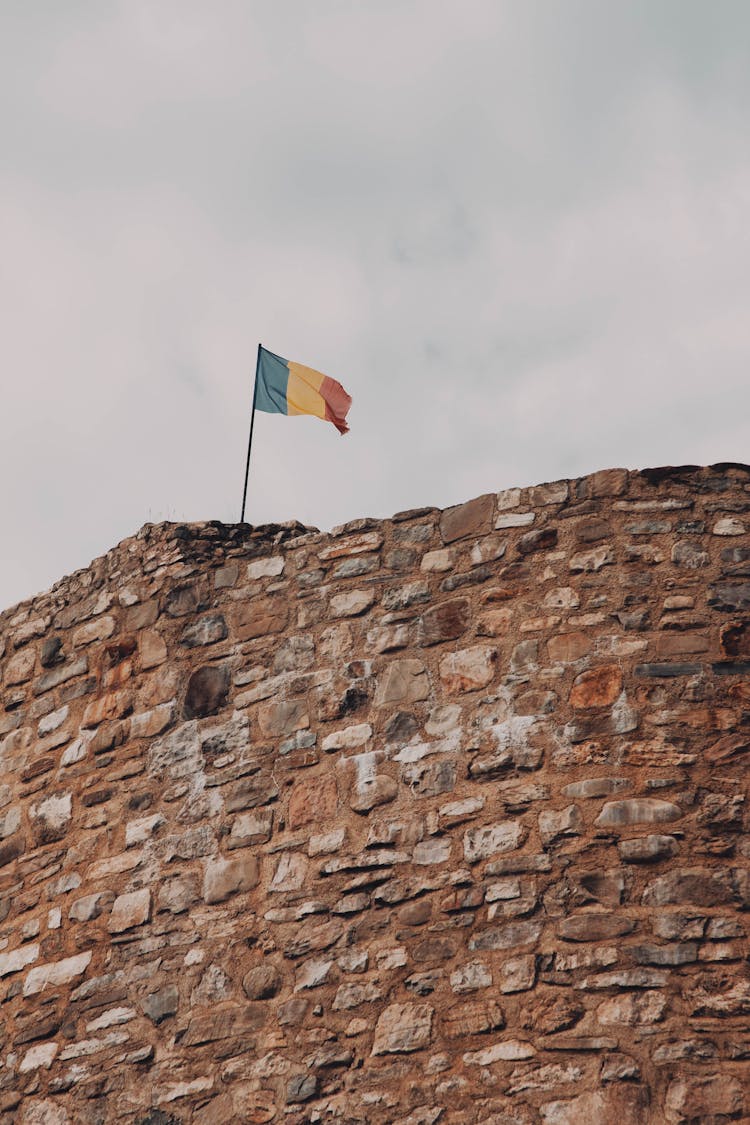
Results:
171 544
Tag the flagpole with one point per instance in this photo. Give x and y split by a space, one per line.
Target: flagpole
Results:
250 442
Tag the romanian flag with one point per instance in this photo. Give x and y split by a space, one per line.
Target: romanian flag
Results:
283 387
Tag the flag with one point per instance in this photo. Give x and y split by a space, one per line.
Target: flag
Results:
284 387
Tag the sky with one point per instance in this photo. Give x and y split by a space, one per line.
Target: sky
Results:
517 231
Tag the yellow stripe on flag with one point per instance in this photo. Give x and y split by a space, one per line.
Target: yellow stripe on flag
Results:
303 391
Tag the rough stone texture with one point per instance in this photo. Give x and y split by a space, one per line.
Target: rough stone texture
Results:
438 819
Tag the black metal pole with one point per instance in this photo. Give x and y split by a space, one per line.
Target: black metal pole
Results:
250 442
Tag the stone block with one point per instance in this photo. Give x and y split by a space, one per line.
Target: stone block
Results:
206 630
371 792
50 818
565 648
595 926
596 688
56 973
272 567
251 828
403 1028
207 691
480 843
353 603
637 810
313 801
402 682
472 518
621 1104
554 824
710 1097
89 907
224 878
445 622
130 910
261 617
468 670
159 1006
263 982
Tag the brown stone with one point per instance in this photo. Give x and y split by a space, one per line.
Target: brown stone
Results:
568 647
472 518
313 801
261 617
404 820
473 1017
445 622
541 539
262 983
598 688
606 482
226 877
224 1021
285 717
705 1098
595 927
403 682
207 691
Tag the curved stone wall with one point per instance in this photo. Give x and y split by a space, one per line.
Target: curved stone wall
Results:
435 819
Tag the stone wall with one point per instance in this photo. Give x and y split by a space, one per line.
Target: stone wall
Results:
435 819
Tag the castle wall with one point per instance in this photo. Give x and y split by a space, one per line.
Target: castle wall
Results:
434 819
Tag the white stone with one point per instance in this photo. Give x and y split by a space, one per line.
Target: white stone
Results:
436 562
138 831
562 597
111 1018
515 519
509 1050
479 843
348 738
10 821
434 850
518 974
265 568
290 873
471 977
85 1047
183 1090
391 958
54 813
56 972
49 723
460 810
503 890
312 974
468 669
41 1055
128 910
326 843
17 959
729 526
76 752
510 498
352 603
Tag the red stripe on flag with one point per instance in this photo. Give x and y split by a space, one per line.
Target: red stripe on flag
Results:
337 403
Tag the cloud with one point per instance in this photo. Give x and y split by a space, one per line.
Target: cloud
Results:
516 233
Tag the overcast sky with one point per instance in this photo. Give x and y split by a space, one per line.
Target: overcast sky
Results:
517 231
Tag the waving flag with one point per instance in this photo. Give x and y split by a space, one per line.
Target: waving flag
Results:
285 387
